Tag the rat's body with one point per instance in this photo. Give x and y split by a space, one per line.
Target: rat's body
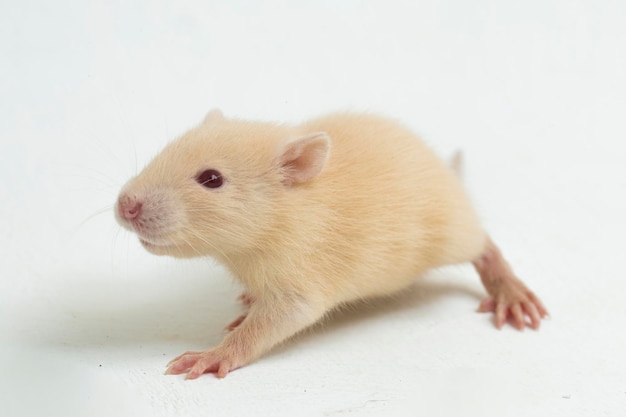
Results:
307 217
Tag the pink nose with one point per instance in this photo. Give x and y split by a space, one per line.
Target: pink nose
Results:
128 207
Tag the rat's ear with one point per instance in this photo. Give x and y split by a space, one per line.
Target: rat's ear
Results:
303 159
213 116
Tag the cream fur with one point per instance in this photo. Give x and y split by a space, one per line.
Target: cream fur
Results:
379 211
383 210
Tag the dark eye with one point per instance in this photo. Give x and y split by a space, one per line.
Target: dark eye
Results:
210 178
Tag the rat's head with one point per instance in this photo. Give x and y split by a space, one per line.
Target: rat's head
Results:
218 189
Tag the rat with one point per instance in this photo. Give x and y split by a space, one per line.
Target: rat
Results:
309 217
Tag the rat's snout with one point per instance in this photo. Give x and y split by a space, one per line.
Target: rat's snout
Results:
128 207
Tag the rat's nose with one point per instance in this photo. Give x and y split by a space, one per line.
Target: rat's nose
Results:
128 207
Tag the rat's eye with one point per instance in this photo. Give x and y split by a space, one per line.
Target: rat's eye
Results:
210 178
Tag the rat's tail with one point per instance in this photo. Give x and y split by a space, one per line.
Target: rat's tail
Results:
456 164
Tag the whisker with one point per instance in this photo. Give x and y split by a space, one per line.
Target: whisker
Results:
90 217
113 245
100 175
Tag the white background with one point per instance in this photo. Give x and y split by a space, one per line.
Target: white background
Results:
533 92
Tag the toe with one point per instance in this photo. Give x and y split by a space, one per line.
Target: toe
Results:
543 312
518 316
501 313
182 364
179 357
487 305
224 368
204 364
533 314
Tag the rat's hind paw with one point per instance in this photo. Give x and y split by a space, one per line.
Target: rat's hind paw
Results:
515 301
509 297
198 363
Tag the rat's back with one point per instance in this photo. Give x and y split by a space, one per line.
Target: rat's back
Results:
395 209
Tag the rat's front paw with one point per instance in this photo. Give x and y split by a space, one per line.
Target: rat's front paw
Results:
245 299
198 363
514 300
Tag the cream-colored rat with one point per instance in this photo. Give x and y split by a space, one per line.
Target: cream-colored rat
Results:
308 217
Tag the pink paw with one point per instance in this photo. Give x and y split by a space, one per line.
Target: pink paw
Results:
509 297
516 303
245 299
198 363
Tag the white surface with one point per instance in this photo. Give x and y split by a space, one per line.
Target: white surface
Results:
534 93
